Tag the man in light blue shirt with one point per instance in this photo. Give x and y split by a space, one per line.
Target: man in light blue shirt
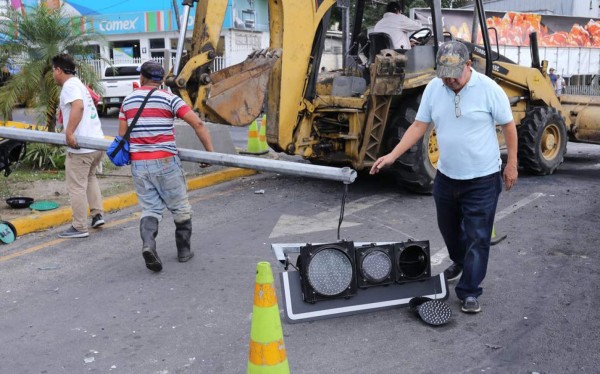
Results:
465 107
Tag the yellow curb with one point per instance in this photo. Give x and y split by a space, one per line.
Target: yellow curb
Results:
46 220
21 125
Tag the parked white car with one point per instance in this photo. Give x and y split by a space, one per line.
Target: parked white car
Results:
118 81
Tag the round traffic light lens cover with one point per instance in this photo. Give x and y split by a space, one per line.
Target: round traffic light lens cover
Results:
376 266
434 312
329 272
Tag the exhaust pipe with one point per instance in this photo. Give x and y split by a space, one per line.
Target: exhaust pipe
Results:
535 52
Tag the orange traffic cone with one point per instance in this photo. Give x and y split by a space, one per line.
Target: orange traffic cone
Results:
257 141
262 135
267 353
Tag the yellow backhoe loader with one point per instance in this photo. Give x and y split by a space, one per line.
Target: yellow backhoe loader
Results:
352 116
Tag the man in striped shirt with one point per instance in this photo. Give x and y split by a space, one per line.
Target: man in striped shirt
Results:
158 177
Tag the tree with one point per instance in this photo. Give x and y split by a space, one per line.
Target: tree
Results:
34 38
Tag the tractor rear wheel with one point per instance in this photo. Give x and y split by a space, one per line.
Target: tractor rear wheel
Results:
415 169
542 141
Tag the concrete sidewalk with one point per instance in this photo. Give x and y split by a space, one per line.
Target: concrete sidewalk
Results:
42 221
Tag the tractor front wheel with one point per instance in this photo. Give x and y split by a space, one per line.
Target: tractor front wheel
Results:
415 169
542 141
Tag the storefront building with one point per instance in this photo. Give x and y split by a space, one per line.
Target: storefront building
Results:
138 30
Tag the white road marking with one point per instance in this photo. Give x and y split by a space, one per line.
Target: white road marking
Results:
327 220
442 254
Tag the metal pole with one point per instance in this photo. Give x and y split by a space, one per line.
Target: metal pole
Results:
345 35
475 26
187 6
346 175
176 11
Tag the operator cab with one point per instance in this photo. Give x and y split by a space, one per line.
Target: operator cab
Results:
421 56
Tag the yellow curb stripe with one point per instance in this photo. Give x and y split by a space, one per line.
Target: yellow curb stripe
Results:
218 177
264 295
267 354
22 125
42 221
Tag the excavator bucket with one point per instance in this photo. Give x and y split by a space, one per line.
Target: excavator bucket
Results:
237 94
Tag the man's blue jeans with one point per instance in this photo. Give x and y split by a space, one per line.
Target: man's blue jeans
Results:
161 183
465 214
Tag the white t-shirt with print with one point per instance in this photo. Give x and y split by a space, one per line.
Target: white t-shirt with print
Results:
90 124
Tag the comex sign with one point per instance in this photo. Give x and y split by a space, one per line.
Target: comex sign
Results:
118 25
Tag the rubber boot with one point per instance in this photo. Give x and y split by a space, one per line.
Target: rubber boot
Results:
148 232
183 234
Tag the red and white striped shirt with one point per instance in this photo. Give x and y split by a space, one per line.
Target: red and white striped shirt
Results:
153 135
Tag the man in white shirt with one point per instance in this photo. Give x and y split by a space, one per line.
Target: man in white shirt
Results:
397 26
79 118
558 87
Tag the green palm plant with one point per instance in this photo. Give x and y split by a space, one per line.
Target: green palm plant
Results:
35 37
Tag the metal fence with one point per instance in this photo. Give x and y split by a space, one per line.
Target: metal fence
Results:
100 65
589 90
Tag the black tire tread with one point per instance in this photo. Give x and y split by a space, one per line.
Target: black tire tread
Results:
409 169
530 132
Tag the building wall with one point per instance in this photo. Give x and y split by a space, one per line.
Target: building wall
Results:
577 8
131 27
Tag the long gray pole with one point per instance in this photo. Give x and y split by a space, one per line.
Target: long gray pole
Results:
346 175
181 40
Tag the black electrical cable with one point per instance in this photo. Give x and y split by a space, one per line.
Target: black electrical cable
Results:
342 210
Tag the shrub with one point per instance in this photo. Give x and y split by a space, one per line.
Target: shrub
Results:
44 156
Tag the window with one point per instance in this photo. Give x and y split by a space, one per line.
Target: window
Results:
157 43
125 48
122 71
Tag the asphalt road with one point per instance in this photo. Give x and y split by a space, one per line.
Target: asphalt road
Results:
90 305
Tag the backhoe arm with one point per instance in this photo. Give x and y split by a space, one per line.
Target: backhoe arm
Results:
193 73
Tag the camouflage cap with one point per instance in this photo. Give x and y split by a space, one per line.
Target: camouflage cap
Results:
451 59
152 70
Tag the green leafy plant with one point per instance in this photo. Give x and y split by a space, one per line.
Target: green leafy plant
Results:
34 38
44 156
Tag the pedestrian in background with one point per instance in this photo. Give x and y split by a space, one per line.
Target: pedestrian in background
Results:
465 107
552 78
79 118
156 169
559 85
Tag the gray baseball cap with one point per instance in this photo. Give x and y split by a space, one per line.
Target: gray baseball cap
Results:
451 59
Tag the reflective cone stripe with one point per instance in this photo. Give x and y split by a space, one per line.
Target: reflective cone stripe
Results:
262 134
264 295
253 131
253 137
267 354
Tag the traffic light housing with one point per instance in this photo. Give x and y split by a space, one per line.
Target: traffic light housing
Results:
337 270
